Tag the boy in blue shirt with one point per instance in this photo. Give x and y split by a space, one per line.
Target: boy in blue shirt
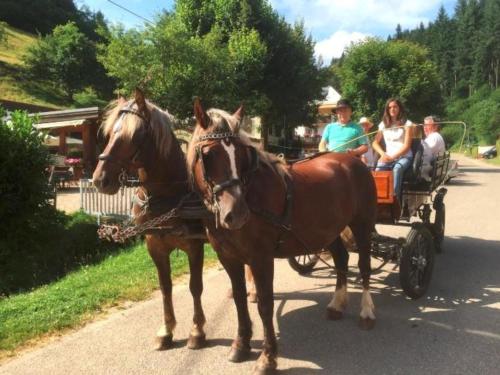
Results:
337 135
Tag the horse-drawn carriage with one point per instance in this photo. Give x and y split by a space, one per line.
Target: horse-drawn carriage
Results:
423 211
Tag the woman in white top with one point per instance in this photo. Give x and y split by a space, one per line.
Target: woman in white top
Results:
395 129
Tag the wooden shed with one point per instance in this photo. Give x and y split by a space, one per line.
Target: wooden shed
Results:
81 124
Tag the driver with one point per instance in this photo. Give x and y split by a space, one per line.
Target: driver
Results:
344 135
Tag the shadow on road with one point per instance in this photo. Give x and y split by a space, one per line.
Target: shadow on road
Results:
461 307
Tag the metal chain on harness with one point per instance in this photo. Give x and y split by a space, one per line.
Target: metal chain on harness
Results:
119 234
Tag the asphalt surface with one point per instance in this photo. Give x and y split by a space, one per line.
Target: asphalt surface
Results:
454 329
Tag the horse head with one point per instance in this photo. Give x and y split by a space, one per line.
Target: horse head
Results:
135 129
220 160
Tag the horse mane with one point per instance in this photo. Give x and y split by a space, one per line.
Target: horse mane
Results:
161 125
222 122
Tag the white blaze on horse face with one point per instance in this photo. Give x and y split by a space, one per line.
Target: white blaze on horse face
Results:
118 124
230 150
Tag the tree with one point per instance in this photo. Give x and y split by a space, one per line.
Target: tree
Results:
373 71
225 51
3 32
66 58
467 14
38 16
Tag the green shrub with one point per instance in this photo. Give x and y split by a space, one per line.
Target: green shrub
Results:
37 243
88 98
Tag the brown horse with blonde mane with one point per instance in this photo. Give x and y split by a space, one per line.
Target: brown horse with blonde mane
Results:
265 209
140 137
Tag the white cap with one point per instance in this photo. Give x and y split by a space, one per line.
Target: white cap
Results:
365 120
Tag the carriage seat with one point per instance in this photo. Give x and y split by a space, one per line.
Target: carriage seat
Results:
413 175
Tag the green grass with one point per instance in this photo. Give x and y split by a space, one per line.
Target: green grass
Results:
81 295
13 85
17 43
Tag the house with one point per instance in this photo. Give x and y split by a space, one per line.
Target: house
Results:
72 128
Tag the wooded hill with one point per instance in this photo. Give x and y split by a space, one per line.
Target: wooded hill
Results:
466 50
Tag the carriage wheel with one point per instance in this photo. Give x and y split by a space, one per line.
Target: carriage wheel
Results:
438 227
303 264
417 262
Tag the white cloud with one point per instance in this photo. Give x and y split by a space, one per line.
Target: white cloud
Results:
335 44
378 17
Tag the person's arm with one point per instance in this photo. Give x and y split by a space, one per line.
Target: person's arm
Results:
323 143
406 144
358 151
322 146
376 144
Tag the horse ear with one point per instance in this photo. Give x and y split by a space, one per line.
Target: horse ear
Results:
121 101
140 100
199 113
240 112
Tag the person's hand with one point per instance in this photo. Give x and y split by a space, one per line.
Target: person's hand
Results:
386 158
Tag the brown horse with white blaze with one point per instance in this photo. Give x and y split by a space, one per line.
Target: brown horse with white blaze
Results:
141 137
265 209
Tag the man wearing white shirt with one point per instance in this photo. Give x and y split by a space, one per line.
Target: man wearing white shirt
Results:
433 145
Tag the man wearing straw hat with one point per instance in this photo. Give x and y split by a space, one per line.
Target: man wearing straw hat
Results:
344 135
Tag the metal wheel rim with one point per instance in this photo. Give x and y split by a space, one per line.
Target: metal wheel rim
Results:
419 262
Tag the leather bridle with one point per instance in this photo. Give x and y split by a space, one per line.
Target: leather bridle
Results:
124 165
213 188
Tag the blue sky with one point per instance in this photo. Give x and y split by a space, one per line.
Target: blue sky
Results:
334 24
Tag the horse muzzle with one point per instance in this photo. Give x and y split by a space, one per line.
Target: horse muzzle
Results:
233 210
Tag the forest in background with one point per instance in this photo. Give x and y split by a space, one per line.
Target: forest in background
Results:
466 50
463 49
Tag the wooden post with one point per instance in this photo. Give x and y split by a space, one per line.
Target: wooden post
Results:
89 138
62 142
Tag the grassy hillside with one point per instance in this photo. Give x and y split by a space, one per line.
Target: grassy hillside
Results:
13 85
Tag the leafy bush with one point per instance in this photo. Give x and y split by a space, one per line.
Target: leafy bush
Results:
481 112
37 243
88 98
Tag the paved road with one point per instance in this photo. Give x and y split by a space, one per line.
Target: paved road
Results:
455 329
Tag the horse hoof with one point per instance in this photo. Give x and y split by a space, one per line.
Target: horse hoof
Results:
268 367
252 297
196 342
366 323
264 371
164 342
332 314
237 355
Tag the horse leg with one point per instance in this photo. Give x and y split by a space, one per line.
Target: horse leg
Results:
240 348
336 307
363 240
252 293
195 255
161 260
263 272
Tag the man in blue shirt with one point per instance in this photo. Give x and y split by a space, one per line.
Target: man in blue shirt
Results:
344 135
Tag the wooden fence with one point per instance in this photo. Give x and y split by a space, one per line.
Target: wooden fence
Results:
98 204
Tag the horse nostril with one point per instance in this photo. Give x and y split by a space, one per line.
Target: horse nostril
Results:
229 218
